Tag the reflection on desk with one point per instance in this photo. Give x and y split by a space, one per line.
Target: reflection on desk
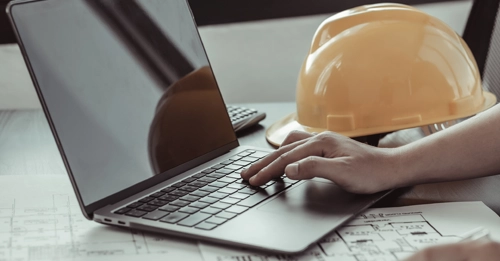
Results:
28 148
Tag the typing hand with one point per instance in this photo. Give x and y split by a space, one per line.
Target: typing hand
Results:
354 166
479 250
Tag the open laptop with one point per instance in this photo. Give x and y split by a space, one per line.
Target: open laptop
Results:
144 133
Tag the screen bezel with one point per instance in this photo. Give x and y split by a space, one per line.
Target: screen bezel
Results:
88 210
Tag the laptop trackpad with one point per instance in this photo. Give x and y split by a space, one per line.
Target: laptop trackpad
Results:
316 198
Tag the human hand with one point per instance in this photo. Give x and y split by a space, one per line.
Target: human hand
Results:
477 250
354 166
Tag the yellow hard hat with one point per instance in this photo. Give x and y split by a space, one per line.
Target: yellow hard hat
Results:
380 68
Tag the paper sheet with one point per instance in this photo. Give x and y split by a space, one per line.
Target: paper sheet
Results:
40 220
384 234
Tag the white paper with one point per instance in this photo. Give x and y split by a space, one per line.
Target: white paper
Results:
383 234
40 220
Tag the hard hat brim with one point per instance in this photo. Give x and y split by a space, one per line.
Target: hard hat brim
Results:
277 132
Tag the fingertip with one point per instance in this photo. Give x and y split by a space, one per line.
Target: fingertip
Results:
292 170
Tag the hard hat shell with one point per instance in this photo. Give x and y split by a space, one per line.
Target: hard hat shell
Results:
380 68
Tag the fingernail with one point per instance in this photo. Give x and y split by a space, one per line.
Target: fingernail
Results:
292 170
251 179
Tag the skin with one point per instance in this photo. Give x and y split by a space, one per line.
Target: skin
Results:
467 150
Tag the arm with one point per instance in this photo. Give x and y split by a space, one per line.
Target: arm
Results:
470 149
467 150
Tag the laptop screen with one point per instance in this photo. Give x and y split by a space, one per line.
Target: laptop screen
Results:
116 124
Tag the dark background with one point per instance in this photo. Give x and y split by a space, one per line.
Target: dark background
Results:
208 12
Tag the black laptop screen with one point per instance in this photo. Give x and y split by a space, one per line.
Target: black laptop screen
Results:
116 124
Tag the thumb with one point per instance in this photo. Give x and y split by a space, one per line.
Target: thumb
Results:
310 167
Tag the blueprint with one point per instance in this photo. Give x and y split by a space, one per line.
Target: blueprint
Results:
40 219
384 234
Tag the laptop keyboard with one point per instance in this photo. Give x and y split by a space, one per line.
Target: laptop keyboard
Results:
209 198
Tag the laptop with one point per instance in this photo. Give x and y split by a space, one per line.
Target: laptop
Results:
144 133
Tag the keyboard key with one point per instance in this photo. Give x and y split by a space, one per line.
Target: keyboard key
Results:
158 202
260 154
211 210
248 191
198 184
168 197
244 154
220 205
206 226
227 190
122 211
235 158
147 208
227 180
199 175
218 166
180 203
179 193
216 175
225 215
136 213
236 186
134 205
250 151
190 198
208 171
233 167
189 188
226 162
209 189
167 190
155 215
194 219
250 159
157 194
241 163
146 199
216 220
218 195
224 171
229 200
262 195
189 180
199 204
234 175
217 184
199 193
178 184
174 217
236 209
209 200
239 195
207 179
169 208
269 183
189 210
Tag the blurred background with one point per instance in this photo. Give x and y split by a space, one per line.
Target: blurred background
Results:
256 47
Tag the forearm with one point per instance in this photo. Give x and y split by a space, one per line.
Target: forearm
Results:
470 149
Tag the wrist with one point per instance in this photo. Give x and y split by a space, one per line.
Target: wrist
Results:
401 167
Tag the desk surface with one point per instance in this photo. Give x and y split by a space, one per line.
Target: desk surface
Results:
27 148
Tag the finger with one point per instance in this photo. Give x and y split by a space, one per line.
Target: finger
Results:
246 174
311 167
295 136
277 167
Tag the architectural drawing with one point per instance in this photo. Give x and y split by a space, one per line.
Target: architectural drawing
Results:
53 228
382 234
382 237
